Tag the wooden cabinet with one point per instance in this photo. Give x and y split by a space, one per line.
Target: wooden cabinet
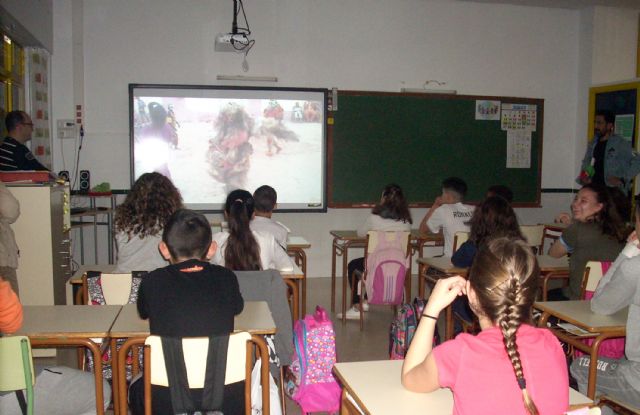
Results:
42 234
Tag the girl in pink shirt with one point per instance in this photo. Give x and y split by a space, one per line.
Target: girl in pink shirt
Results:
510 367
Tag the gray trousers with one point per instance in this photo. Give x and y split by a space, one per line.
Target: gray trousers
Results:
617 378
59 390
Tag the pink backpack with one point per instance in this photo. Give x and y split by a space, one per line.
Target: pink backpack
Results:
387 267
310 382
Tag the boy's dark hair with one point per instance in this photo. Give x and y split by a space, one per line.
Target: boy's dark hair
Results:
609 117
187 235
14 118
456 185
502 191
265 198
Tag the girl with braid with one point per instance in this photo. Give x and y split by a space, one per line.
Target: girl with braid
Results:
510 367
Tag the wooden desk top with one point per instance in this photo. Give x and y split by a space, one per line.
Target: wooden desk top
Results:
298 242
443 263
352 235
255 318
377 389
294 274
579 313
547 263
77 321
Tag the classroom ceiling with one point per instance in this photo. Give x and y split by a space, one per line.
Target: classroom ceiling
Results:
567 4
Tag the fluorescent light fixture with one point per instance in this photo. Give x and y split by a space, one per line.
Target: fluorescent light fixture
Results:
429 91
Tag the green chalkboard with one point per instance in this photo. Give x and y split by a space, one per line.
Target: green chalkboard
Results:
417 140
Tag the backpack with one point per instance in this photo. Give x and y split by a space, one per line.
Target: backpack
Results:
403 327
386 267
310 381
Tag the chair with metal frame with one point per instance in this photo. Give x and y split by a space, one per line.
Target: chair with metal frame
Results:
17 369
240 362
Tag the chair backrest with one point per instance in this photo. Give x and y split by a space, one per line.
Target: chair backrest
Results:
534 234
17 367
113 289
459 238
373 238
591 277
195 353
195 349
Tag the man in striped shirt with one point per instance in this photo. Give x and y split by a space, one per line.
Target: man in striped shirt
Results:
14 155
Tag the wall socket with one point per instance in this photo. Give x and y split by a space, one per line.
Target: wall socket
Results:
67 129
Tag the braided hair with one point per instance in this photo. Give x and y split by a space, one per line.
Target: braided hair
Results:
242 252
504 277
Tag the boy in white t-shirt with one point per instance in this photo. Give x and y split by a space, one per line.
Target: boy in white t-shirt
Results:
265 199
448 213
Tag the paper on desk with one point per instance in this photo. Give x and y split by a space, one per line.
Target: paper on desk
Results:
575 330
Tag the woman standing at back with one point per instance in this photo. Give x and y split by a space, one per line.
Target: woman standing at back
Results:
139 221
510 367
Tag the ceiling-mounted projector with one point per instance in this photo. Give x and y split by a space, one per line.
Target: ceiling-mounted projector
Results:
230 42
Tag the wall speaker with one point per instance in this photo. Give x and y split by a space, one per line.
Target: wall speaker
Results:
64 175
85 181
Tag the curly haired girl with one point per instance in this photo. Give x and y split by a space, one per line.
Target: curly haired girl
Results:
139 222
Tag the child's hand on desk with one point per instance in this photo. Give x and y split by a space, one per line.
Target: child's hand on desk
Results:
563 217
445 291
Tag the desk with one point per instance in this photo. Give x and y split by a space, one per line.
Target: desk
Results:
442 264
255 318
343 240
71 326
579 314
552 268
376 389
295 248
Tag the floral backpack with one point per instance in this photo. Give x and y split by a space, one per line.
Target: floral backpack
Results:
310 382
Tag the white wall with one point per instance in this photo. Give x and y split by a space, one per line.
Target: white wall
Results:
360 44
615 41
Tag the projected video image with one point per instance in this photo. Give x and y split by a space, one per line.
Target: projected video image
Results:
209 146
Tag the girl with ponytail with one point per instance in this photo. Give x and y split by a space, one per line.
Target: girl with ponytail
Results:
510 367
241 249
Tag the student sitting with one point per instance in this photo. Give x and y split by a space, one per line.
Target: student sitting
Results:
618 288
390 214
510 367
265 198
58 390
242 249
448 213
597 233
189 298
139 221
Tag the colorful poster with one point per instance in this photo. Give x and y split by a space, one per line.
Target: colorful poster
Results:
519 117
488 110
518 149
38 90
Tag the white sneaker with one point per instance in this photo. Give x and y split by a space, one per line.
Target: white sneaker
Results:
352 314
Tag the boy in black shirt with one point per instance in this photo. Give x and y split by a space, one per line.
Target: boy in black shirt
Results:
189 298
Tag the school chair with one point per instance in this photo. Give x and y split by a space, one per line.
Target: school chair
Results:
240 362
534 235
459 238
619 407
376 242
17 369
